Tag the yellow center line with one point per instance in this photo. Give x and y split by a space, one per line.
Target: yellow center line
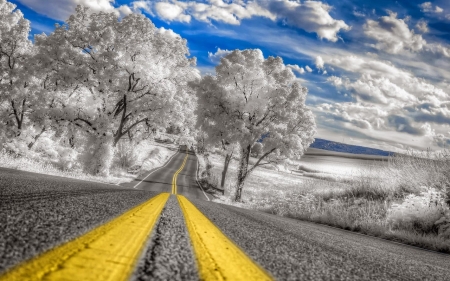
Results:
109 252
218 258
174 178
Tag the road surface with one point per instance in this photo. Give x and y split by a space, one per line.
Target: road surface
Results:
163 227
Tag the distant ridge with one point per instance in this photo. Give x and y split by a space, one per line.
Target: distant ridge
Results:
348 148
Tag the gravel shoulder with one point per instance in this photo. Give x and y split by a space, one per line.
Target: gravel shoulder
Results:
295 250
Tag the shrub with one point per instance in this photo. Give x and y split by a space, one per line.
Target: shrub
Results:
418 212
125 156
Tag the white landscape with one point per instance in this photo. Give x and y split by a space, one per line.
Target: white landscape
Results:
108 96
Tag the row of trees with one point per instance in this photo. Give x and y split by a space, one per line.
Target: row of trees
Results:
98 78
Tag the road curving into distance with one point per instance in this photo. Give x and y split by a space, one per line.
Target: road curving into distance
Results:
162 226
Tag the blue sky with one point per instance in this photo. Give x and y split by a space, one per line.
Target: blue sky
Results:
377 71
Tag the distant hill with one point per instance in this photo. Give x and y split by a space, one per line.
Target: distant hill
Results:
348 148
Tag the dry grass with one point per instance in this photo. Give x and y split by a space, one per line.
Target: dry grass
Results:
358 202
24 163
147 155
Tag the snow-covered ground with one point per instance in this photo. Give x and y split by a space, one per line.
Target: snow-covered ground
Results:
149 155
313 173
339 168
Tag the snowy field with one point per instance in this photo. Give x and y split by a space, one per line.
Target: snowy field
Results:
317 163
313 173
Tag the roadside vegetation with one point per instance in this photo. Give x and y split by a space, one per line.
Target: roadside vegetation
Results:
130 160
405 200
94 98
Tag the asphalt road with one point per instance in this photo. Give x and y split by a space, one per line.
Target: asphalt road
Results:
160 179
38 212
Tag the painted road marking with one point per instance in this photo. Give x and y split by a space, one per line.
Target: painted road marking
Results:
157 169
109 252
174 178
217 257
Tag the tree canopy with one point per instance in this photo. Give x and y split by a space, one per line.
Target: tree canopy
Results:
255 101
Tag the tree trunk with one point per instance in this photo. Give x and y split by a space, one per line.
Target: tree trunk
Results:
225 169
30 145
243 172
116 139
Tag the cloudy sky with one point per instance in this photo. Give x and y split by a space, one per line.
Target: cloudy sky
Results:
378 72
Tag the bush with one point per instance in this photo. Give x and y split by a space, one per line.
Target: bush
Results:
125 156
418 212
97 156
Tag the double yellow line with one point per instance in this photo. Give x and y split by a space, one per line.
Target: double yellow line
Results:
174 178
108 252
112 250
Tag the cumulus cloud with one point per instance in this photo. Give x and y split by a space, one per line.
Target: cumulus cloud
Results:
170 12
395 99
319 62
427 7
378 90
422 26
386 83
312 16
142 5
296 68
62 9
220 53
336 81
309 69
231 12
393 35
361 115
404 125
168 32
438 49
441 141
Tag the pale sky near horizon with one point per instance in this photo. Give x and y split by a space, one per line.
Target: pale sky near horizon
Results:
377 71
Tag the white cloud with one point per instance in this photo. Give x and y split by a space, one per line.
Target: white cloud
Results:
358 14
168 32
62 9
219 54
380 72
378 91
393 35
308 68
427 7
312 16
296 68
319 62
336 81
422 25
231 12
364 116
396 101
142 5
438 49
170 12
441 141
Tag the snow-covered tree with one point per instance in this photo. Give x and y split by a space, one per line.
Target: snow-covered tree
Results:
255 101
16 83
115 78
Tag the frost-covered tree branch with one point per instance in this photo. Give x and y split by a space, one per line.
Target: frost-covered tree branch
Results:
252 100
